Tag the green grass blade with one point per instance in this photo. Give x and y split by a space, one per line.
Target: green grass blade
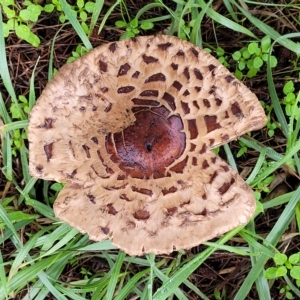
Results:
274 236
4 73
231 249
295 131
96 13
41 208
7 156
50 64
259 163
70 234
115 274
182 274
277 164
151 259
76 25
262 287
31 98
196 34
49 286
231 11
99 246
9 224
230 157
26 275
274 98
267 30
23 254
192 287
3 278
278 201
292 286
164 278
249 142
255 246
14 125
113 6
146 8
25 168
225 21
3 112
8 234
26 191
132 282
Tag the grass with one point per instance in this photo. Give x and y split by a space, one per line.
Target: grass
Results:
43 258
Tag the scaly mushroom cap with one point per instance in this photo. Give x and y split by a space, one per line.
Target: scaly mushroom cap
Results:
130 127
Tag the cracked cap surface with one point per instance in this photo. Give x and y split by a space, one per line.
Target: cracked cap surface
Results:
130 127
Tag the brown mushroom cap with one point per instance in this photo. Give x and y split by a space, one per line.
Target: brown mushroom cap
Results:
130 127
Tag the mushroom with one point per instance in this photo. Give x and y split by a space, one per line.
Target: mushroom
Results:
129 128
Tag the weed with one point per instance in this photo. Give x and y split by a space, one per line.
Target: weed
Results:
21 19
133 27
285 266
290 100
253 57
19 135
79 51
219 52
271 125
80 11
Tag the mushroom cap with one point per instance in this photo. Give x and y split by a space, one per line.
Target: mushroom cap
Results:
130 127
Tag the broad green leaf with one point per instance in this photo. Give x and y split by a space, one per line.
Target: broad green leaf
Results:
35 11
257 62
134 22
33 39
236 55
273 61
238 74
281 271
290 98
23 99
83 16
289 87
270 273
147 25
258 52
246 54
220 52
252 47
241 65
295 272
252 72
121 24
295 258
7 2
89 7
23 32
265 57
250 64
80 3
25 14
10 13
49 8
57 187
280 258
265 43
